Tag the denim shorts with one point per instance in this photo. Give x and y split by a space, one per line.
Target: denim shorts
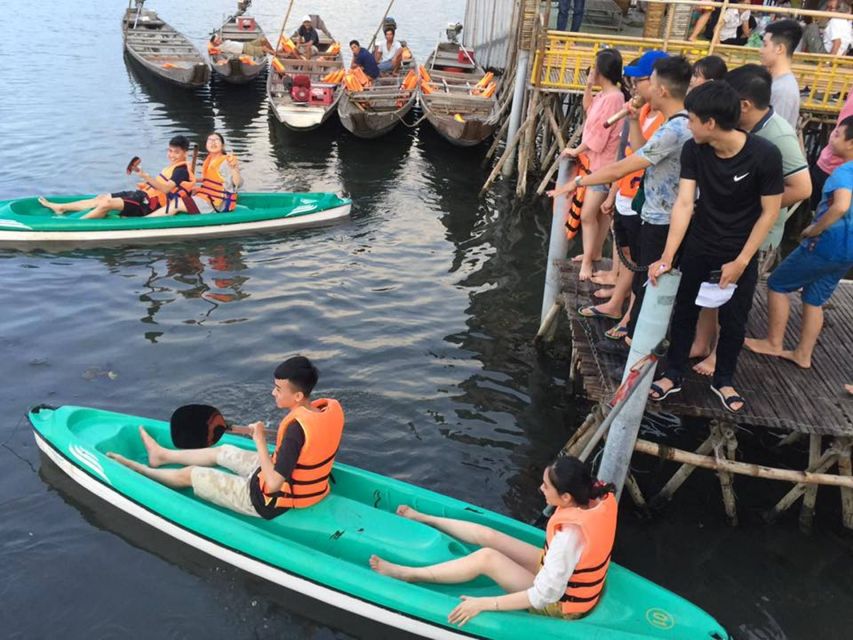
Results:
814 274
599 188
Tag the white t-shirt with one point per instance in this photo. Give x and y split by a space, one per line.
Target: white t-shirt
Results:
563 555
837 29
388 54
732 19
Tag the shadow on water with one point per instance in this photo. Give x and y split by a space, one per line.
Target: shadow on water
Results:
240 107
370 169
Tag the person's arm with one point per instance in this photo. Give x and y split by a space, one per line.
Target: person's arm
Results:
841 199
275 476
234 166
732 271
606 174
635 133
682 213
587 91
609 205
798 187
699 27
744 24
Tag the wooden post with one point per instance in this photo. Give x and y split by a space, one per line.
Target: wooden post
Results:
845 468
715 39
668 29
636 493
810 493
726 438
580 437
680 476
826 461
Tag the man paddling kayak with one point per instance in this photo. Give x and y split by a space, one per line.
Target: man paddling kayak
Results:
297 474
172 185
565 580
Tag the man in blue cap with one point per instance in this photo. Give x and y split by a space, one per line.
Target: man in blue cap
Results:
660 158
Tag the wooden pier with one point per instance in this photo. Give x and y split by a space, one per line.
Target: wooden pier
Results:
793 402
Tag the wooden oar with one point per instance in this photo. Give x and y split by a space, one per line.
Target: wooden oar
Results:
196 426
283 25
382 22
194 160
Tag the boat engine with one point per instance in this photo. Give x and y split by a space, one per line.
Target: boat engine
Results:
300 91
453 30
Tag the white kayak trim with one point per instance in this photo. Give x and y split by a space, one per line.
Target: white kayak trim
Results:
321 218
287 580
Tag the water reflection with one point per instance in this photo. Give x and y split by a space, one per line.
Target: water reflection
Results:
240 108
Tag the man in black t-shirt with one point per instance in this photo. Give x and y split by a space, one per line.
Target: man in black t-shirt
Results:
738 178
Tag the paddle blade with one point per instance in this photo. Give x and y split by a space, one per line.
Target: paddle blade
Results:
195 426
134 161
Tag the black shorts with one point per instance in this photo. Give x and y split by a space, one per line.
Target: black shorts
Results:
135 203
626 229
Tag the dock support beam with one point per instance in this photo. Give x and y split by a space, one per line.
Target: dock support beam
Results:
558 248
521 71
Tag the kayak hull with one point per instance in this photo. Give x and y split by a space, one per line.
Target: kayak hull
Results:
322 551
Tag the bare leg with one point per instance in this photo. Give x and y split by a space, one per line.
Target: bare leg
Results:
590 230
105 204
705 342
521 553
510 576
620 292
173 208
778 310
174 478
812 324
609 277
78 205
158 455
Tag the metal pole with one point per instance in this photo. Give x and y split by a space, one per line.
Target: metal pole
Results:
652 326
521 71
558 247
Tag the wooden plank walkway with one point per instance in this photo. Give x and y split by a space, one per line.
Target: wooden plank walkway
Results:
779 394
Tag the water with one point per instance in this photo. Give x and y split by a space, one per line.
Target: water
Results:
419 314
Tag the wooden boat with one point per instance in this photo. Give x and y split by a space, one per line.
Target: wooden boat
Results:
24 223
448 97
322 97
379 108
237 68
322 551
161 50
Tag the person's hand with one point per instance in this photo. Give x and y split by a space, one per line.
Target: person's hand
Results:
570 152
809 232
731 272
467 609
591 77
657 269
259 433
634 105
232 161
565 190
608 205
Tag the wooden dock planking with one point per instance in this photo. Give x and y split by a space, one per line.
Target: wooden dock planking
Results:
779 394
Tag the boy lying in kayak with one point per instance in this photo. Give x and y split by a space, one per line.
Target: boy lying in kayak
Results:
172 185
565 580
297 474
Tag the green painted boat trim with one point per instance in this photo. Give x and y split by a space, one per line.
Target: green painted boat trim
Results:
323 551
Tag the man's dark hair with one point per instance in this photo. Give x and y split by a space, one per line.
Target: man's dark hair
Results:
299 372
752 82
182 142
391 29
674 73
787 33
846 127
354 42
715 100
710 67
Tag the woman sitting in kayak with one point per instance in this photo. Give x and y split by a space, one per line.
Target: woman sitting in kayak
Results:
565 579
220 181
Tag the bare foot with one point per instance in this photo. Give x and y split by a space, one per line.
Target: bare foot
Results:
849 388
706 367
797 358
585 272
126 461
405 511
577 258
763 346
156 453
386 568
56 208
607 278
602 293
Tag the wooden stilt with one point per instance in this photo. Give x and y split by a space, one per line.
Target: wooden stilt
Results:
497 141
636 493
506 155
810 493
826 461
845 468
589 424
680 476
727 440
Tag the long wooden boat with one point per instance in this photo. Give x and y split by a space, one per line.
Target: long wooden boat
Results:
463 113
238 68
380 107
160 49
24 223
322 552
308 108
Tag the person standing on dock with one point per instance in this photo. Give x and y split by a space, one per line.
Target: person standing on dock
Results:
777 52
738 180
578 7
824 257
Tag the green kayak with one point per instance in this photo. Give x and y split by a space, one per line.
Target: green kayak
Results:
25 223
323 551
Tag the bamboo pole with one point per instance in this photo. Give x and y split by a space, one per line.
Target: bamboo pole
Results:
636 493
381 22
507 152
812 476
845 468
667 32
680 477
283 25
576 442
497 141
810 494
727 438
715 39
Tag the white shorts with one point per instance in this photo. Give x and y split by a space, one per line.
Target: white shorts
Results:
229 490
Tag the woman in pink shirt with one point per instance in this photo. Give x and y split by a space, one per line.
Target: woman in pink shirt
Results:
600 145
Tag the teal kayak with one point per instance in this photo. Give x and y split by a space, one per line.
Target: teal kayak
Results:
322 551
24 222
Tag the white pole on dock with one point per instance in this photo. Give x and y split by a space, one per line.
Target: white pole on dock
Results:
652 325
558 249
521 71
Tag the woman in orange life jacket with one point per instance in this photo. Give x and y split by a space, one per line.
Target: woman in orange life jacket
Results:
565 579
220 181
260 485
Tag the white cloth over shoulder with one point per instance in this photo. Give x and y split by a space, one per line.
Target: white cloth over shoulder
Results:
231 46
563 555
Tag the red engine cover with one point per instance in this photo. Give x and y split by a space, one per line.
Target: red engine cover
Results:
300 94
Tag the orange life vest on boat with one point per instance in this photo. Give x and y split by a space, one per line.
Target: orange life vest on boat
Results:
309 482
278 66
598 527
630 184
182 191
212 188
573 215
213 50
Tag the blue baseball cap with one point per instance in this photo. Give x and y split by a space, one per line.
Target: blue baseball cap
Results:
645 65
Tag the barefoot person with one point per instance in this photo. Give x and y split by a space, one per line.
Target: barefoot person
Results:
579 540
172 185
297 474
823 258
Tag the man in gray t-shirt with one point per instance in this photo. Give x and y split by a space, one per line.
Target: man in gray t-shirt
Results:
785 98
777 51
660 182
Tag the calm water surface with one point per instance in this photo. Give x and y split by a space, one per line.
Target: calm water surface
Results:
419 314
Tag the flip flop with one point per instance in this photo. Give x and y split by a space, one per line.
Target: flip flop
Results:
727 402
617 332
660 393
589 311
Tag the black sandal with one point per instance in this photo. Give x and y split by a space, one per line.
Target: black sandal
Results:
728 402
660 394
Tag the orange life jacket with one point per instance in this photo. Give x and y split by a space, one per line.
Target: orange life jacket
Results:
182 191
424 74
278 66
573 215
361 76
410 81
630 184
286 45
598 526
334 49
213 189
309 482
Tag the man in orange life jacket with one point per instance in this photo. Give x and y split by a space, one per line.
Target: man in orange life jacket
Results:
295 476
173 182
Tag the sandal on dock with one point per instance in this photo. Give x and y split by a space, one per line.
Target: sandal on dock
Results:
657 393
728 402
590 311
618 332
